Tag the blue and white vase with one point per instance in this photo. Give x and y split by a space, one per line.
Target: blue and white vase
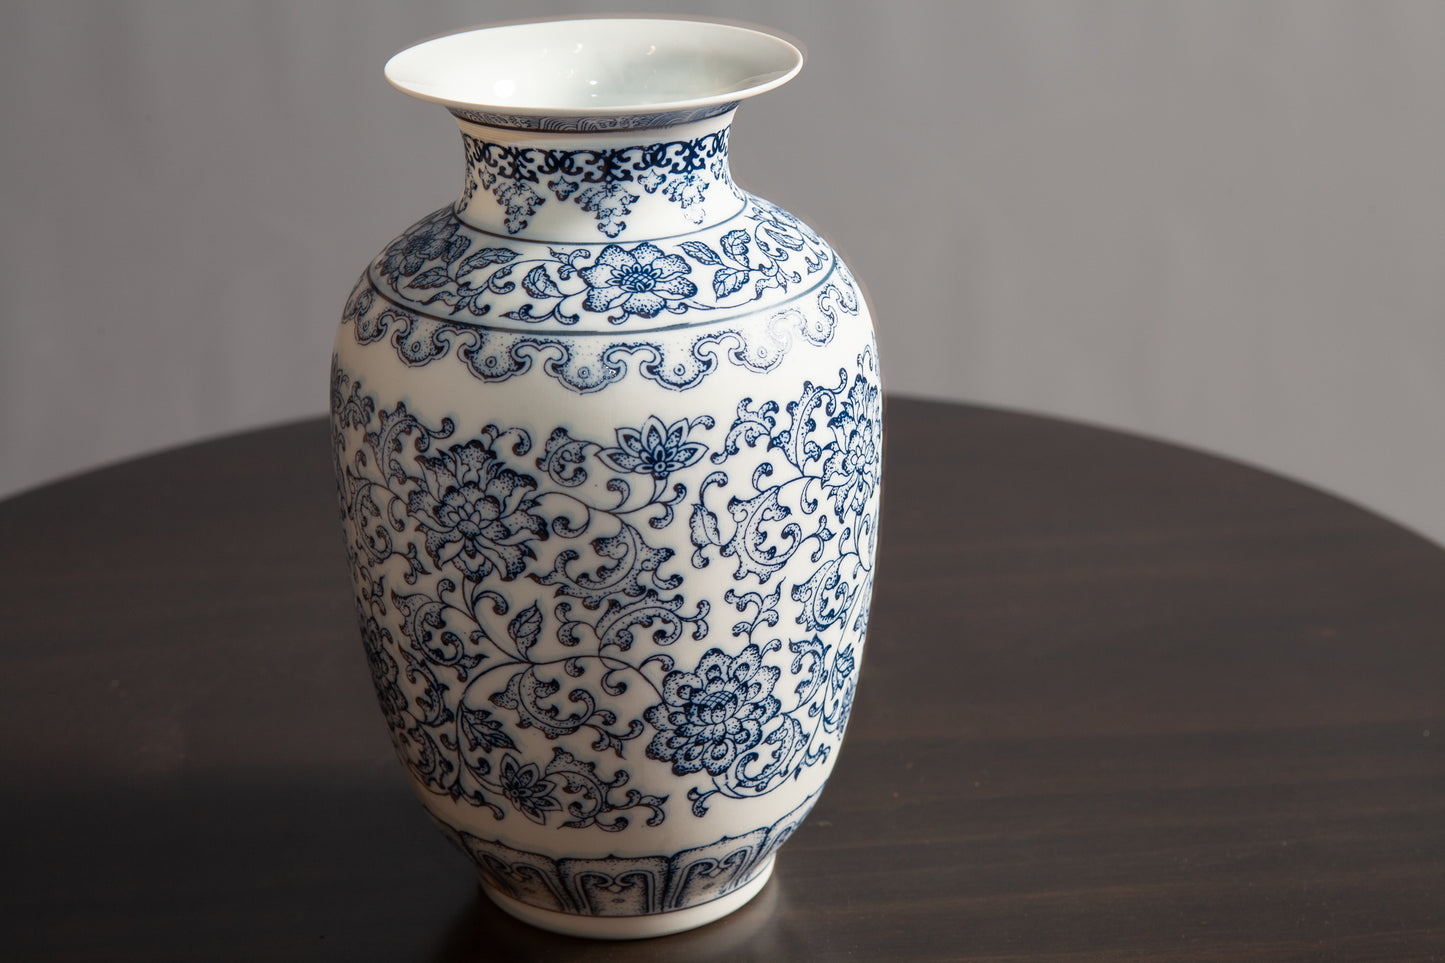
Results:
607 441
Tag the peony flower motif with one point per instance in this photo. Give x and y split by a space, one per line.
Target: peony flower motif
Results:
713 715
527 789
429 239
654 449
851 471
643 281
475 510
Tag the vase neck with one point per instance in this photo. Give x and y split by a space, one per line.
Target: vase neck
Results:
598 186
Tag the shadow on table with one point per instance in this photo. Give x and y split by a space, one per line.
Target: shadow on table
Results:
185 867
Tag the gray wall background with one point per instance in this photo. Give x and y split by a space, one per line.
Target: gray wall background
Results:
1221 223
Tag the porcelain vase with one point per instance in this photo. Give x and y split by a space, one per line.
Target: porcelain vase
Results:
607 437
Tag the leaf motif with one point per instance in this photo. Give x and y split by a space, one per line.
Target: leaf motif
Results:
570 257
497 282
700 252
525 628
704 527
728 280
473 303
483 732
457 246
487 255
704 533
539 284
735 245
434 278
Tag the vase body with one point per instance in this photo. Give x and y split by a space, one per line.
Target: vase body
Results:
607 436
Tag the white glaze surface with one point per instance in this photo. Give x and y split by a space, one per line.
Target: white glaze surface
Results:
604 66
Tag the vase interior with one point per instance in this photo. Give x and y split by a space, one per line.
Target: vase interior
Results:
595 66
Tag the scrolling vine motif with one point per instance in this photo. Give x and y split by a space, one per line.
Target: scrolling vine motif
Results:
489 572
443 266
601 182
428 291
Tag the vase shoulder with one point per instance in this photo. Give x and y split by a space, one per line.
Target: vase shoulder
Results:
756 261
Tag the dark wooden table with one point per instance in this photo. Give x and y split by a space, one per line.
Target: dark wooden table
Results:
1121 701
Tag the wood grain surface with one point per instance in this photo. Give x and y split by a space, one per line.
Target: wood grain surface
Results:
1120 701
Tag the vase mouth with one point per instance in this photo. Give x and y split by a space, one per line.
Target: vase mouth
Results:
595 68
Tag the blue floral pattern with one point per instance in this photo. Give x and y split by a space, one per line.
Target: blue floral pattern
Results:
712 715
529 792
432 292
474 510
643 281
656 449
443 268
488 572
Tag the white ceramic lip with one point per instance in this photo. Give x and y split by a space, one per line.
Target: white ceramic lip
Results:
601 67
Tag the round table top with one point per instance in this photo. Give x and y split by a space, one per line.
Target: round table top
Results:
1120 701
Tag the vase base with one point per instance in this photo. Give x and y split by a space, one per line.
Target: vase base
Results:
633 927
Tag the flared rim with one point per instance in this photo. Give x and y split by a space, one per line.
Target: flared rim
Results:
603 67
